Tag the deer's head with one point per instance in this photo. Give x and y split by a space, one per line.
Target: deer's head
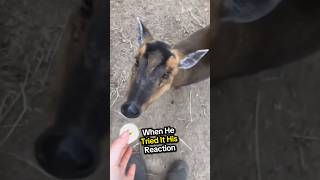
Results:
156 65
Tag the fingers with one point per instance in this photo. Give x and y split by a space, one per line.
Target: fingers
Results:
131 172
123 151
125 158
118 147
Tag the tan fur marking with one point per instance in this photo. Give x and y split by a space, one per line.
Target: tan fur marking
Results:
172 62
179 55
157 94
142 50
172 65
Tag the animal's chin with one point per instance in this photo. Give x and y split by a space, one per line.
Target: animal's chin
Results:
131 117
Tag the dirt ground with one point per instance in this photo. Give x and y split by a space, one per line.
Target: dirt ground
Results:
188 108
267 126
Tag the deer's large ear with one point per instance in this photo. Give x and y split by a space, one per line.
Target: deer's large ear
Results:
244 11
143 33
192 59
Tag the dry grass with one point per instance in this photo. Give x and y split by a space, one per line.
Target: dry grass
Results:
118 82
119 75
27 54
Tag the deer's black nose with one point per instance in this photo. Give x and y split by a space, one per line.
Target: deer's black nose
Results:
130 110
66 156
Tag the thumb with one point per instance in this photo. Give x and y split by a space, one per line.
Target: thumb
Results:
117 148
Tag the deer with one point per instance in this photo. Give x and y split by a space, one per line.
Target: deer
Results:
70 147
158 67
243 38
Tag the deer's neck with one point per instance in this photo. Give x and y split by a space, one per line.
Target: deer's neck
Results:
196 41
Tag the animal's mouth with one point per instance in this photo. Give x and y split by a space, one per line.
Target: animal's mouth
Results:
131 110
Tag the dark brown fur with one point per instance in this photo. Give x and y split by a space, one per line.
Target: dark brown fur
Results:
289 33
286 34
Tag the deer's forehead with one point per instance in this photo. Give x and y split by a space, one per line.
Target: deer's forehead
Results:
156 48
155 59
155 53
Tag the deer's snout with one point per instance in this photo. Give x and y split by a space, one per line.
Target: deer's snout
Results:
130 110
66 156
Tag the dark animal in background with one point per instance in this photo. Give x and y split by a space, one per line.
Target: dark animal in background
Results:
70 148
250 36
244 37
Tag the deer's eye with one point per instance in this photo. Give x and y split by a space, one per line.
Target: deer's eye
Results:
136 62
165 76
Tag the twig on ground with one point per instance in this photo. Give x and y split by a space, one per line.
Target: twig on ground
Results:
5 98
198 22
257 150
182 8
183 142
181 119
116 87
121 114
116 92
24 108
302 159
135 145
4 115
190 109
131 46
312 138
124 38
39 61
300 149
54 52
204 110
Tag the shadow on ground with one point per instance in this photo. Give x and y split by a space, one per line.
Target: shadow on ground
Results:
30 35
267 126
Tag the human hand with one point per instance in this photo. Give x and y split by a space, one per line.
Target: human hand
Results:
120 154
